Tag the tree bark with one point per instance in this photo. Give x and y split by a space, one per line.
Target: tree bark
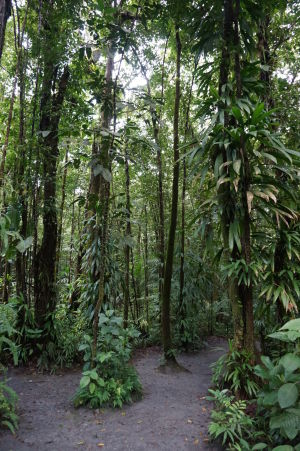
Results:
46 284
104 193
127 247
61 210
5 12
225 197
146 271
166 299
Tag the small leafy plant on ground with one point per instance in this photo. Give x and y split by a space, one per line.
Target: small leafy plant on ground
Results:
112 380
231 424
8 400
279 401
235 371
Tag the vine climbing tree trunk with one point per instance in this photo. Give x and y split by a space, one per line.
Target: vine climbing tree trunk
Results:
245 290
49 125
225 197
103 160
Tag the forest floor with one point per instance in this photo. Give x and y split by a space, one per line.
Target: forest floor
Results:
172 414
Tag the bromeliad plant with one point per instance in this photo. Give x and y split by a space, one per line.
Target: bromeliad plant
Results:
110 380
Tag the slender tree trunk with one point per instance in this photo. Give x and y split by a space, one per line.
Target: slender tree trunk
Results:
127 247
20 259
6 285
5 11
156 128
7 134
146 270
134 286
156 118
182 309
104 193
72 238
182 251
61 210
166 300
18 46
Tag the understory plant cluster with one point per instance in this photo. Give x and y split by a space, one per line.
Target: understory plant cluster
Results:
109 378
8 397
149 195
258 407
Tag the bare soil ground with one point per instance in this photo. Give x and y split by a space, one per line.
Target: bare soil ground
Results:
172 415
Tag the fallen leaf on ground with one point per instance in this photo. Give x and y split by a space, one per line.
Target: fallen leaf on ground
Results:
80 443
196 441
140 421
100 445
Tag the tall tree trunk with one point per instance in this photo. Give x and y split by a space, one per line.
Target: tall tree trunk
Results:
127 246
18 46
246 291
72 238
225 198
104 192
146 270
166 299
5 11
61 210
156 118
49 125
182 309
20 259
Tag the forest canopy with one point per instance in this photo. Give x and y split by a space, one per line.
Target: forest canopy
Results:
149 190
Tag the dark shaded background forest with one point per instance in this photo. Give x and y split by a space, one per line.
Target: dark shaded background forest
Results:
149 189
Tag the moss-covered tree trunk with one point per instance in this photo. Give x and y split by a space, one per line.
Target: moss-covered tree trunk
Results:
51 106
103 159
225 198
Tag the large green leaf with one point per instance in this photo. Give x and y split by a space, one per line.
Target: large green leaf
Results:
291 362
294 324
23 245
287 395
259 446
283 448
270 398
84 381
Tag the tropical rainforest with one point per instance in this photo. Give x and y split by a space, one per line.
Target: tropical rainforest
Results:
149 209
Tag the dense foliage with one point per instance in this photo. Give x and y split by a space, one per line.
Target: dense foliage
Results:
149 194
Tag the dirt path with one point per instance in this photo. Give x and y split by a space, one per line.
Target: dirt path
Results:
171 415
